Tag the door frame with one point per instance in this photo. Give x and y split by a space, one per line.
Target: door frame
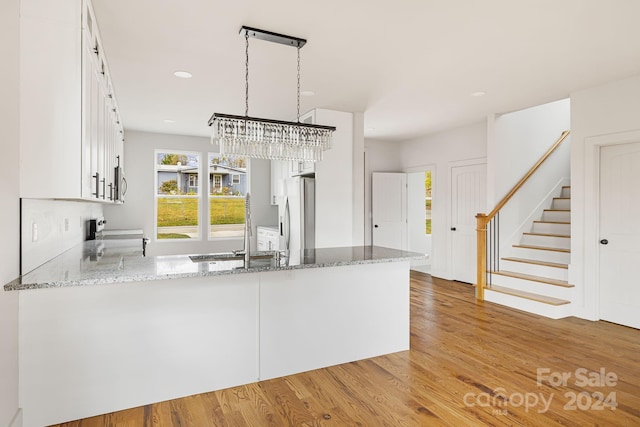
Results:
449 189
590 297
435 236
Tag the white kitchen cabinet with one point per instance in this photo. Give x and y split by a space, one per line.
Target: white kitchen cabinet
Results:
268 239
68 125
279 171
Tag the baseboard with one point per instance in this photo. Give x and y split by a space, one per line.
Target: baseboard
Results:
16 421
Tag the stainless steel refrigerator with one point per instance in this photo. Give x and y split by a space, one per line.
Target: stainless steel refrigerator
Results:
297 216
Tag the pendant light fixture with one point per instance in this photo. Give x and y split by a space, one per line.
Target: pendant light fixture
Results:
265 138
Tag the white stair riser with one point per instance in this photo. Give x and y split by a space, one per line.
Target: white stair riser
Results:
541 255
551 228
532 287
566 192
561 204
547 241
535 269
541 309
562 216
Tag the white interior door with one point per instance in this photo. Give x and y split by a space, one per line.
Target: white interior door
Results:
468 197
620 234
389 210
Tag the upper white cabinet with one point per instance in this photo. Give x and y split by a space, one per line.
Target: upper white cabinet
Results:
70 125
279 171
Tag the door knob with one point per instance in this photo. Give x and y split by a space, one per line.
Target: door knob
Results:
604 242
453 229
375 226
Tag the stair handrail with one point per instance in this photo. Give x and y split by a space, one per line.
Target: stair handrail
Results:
483 219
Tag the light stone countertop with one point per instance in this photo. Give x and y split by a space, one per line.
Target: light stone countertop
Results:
100 262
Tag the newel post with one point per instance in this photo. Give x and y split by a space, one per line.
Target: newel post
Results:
481 229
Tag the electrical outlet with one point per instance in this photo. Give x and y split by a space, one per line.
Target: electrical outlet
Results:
34 232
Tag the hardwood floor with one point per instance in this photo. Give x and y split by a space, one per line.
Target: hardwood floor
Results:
470 364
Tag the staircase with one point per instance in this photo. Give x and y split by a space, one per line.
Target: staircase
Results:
534 277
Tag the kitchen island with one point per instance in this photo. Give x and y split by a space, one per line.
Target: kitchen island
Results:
103 328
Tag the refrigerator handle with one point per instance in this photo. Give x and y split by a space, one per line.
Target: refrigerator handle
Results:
287 224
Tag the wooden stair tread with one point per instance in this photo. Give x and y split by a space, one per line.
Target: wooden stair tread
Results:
546 280
528 295
542 248
557 210
548 235
536 262
551 222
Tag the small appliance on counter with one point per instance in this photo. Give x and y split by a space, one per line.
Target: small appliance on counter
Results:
127 234
96 231
95 228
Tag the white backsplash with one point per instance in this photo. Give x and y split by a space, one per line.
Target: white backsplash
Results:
50 227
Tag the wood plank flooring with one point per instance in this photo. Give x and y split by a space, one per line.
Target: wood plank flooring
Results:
470 364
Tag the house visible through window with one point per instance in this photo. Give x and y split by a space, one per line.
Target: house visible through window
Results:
227 189
177 194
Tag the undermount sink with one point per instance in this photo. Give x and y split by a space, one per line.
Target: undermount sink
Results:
230 256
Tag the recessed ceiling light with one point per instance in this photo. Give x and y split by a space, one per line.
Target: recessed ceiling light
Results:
307 93
183 74
478 93
169 121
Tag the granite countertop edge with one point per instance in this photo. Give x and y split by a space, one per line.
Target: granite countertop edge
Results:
17 285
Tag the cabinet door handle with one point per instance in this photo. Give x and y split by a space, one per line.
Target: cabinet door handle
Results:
97 178
104 188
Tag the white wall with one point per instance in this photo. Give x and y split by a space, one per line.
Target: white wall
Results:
359 210
334 183
10 212
380 156
60 224
608 109
516 142
138 210
438 152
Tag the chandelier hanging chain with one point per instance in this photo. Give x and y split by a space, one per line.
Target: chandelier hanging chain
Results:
246 73
298 83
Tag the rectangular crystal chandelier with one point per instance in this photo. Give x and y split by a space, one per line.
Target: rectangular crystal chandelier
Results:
270 139
265 138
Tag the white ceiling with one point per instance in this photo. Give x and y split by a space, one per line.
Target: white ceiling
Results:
409 65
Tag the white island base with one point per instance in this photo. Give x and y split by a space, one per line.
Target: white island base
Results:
90 350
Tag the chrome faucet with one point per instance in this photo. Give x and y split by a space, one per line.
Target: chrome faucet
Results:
247 231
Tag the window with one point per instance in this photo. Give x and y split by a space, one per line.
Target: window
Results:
193 181
177 195
228 187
